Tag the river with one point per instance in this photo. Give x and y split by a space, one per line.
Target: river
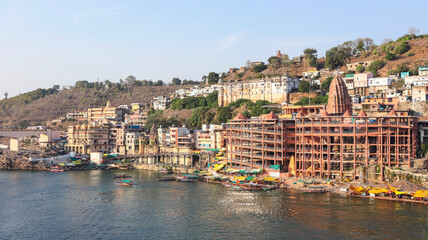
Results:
88 205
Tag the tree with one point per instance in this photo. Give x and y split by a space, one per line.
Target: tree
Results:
223 115
390 56
413 31
311 56
375 66
213 78
402 48
6 95
275 62
336 57
386 41
303 86
130 80
204 79
360 47
325 85
176 81
259 67
159 83
359 68
247 63
56 87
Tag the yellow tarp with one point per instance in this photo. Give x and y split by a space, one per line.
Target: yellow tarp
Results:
359 189
62 164
421 194
271 179
240 178
218 166
377 190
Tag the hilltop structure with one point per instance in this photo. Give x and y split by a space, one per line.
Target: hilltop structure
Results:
275 89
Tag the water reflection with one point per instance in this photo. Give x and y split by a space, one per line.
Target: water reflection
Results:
87 204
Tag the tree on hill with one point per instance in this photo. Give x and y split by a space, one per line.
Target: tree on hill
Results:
311 56
213 78
223 114
159 83
325 85
359 69
303 86
401 48
336 57
5 95
176 81
259 67
275 62
375 66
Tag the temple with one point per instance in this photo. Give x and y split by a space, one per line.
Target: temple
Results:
324 141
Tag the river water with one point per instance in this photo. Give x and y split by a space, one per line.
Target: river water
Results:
88 205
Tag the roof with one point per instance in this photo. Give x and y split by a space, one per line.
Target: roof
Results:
240 116
392 113
362 114
271 116
346 114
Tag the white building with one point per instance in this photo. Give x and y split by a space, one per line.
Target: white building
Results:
416 80
376 82
160 102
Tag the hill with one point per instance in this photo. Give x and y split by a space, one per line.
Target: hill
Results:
415 55
23 109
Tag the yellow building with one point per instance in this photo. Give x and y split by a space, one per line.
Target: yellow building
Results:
84 139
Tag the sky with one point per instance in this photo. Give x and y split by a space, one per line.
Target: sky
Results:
47 42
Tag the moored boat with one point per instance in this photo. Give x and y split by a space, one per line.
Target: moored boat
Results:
121 175
166 178
126 183
187 178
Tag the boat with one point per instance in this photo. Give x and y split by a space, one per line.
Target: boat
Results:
121 175
314 190
57 169
187 178
249 186
163 170
166 178
126 183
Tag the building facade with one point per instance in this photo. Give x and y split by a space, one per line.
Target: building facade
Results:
274 90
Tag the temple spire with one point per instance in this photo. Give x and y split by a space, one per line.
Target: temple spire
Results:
338 98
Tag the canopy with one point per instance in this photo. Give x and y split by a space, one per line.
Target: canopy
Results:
256 170
376 190
421 194
240 178
249 178
218 166
271 179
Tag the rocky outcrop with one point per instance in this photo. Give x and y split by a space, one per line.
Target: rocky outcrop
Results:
13 161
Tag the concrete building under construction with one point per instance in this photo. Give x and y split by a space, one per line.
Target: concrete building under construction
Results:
327 143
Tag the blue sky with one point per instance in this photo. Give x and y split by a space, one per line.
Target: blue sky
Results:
46 42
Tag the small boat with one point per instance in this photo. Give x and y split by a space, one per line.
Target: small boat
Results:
314 190
166 178
164 170
126 183
121 175
250 186
187 178
57 169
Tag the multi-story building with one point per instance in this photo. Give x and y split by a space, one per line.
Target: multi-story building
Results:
259 142
330 144
423 70
84 139
419 93
135 108
361 83
105 114
274 90
160 103
78 115
180 137
132 142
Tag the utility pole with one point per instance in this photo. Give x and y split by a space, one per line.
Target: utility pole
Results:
310 83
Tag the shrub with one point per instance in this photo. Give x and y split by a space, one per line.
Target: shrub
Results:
390 56
375 66
359 69
410 54
259 67
375 52
303 86
240 75
402 48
